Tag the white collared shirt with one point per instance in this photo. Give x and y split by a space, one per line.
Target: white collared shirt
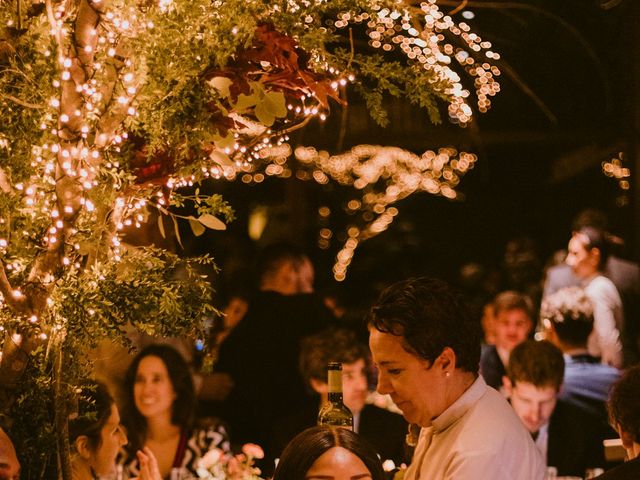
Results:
542 442
478 437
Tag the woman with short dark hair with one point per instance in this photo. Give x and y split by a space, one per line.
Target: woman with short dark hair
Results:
330 453
426 346
159 409
588 253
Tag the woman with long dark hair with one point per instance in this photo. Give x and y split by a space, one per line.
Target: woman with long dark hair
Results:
329 453
159 413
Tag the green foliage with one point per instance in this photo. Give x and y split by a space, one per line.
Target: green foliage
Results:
185 42
150 289
379 77
33 412
23 96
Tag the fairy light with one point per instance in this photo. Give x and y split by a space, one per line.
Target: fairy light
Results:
382 176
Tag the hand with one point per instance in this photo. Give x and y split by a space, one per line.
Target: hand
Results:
148 465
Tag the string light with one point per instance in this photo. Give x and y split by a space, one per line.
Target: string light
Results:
616 170
78 150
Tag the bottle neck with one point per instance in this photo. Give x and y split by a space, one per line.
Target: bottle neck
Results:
335 397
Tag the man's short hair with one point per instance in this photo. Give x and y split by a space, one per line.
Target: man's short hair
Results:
538 363
512 300
591 217
274 256
624 403
429 316
570 312
331 345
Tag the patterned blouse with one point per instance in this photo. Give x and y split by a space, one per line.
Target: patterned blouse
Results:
196 445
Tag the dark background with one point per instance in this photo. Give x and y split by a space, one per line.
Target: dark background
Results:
539 159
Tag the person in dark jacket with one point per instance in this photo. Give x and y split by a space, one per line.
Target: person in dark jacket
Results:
260 355
568 438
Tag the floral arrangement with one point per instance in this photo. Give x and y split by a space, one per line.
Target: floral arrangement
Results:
217 464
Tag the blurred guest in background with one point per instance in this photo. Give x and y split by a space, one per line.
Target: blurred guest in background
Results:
624 412
512 324
329 453
9 465
384 430
261 354
523 268
624 274
159 413
567 316
427 349
568 438
588 252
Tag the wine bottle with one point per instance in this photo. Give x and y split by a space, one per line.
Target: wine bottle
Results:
334 412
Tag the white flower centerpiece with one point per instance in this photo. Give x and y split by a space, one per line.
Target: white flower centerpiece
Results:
217 464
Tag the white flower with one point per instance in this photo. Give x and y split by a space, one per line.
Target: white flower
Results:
211 458
253 450
388 465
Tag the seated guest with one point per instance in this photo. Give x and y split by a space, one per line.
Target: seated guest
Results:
427 349
9 465
568 438
329 453
512 325
568 320
96 437
624 412
159 414
384 430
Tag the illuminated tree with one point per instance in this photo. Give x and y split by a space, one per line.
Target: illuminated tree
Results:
110 106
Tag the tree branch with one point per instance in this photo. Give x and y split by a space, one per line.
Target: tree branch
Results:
22 103
18 304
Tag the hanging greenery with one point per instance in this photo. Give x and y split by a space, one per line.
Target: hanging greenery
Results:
109 105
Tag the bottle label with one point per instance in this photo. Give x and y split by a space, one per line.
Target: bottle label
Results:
335 381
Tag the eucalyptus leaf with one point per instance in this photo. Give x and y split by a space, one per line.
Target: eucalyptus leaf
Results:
221 84
176 228
196 227
212 222
161 225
